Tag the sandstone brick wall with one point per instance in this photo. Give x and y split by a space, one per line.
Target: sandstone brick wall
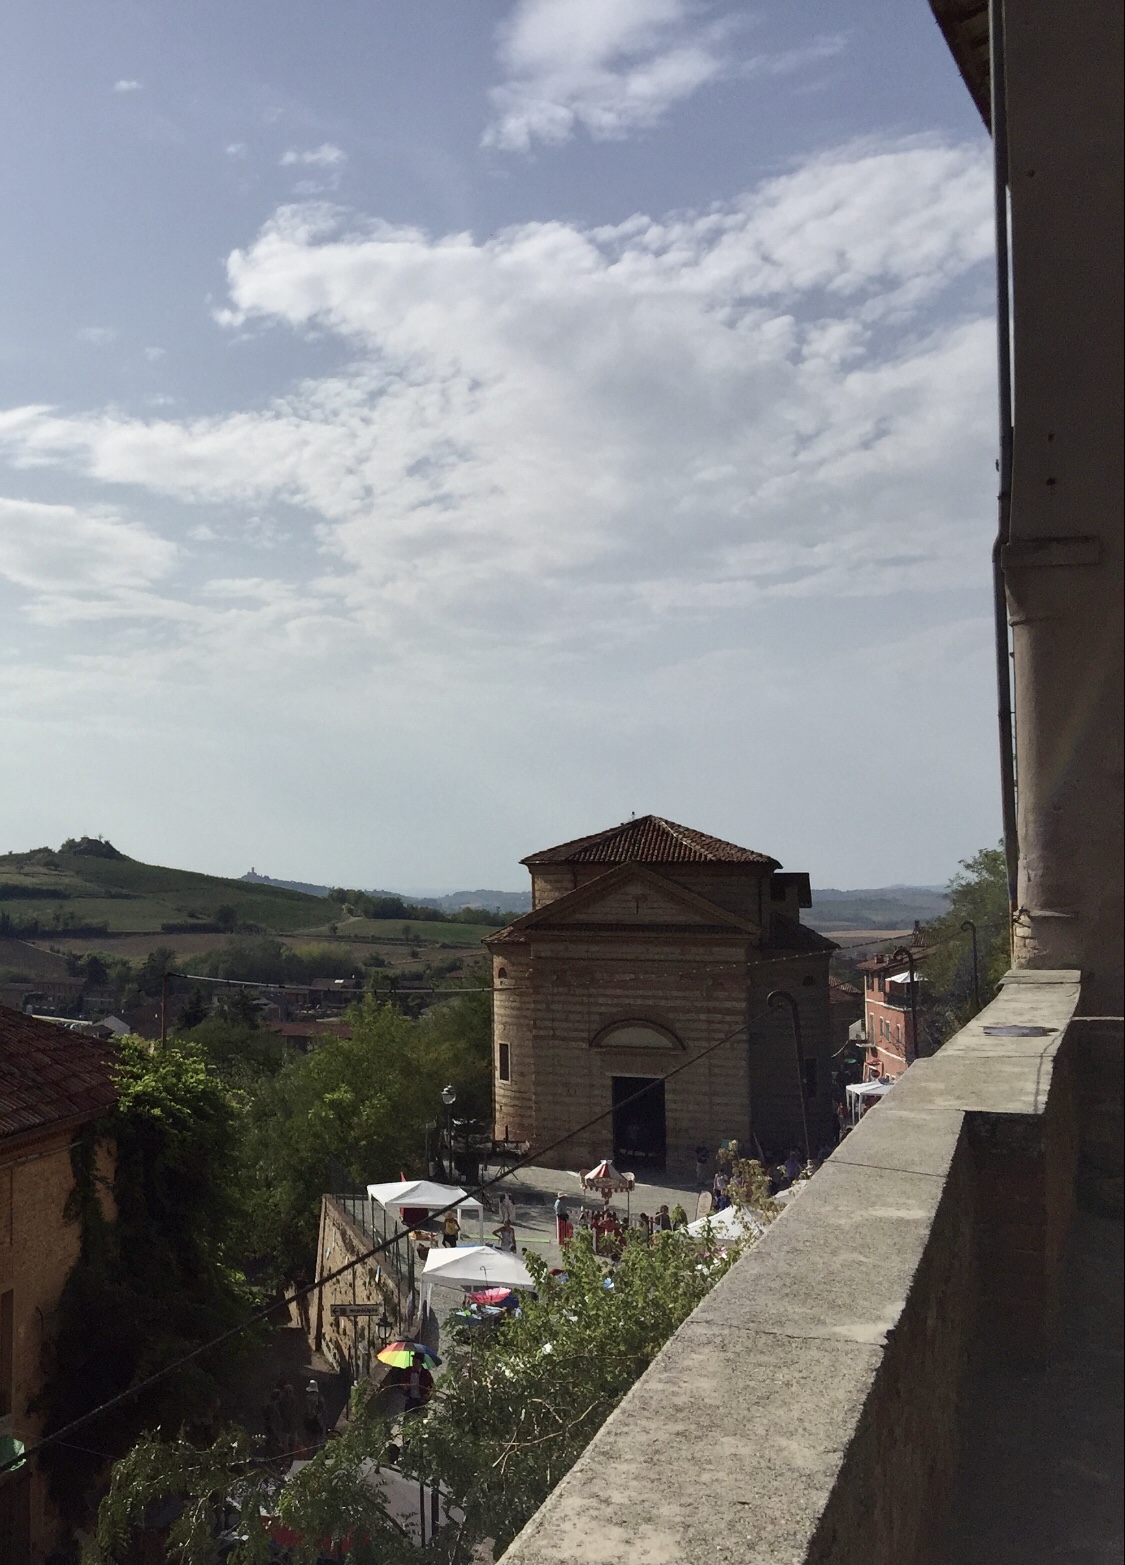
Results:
38 1247
351 1344
555 993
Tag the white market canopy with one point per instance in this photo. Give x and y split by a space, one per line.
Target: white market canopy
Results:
731 1223
476 1266
868 1089
423 1195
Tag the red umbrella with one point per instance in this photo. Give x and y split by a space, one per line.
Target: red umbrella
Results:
492 1296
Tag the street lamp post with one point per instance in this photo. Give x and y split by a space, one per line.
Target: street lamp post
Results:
777 998
449 1098
970 928
904 954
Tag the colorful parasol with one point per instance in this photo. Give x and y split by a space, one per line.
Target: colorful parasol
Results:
503 1296
401 1354
607 1180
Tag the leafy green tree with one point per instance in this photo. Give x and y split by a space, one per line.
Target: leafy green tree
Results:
359 1104
158 1276
978 892
511 1414
150 973
226 917
196 1010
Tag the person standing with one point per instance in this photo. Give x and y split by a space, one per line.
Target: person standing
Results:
507 1209
506 1234
450 1230
563 1229
662 1222
679 1216
702 1158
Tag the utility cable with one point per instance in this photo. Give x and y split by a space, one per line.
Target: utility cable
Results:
58 1436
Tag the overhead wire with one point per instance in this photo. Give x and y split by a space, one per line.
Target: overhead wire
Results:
58 1436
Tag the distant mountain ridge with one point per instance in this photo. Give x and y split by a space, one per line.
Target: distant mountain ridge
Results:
877 907
453 902
872 907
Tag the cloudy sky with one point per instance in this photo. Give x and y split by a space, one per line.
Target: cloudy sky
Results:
430 432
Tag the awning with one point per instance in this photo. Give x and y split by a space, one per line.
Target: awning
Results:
731 1223
868 1089
423 1195
476 1266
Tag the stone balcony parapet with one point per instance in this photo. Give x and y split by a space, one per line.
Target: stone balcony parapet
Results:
808 1410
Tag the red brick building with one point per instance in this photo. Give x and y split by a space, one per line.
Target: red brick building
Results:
889 1015
648 944
52 1083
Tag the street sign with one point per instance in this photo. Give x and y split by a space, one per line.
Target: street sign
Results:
357 1310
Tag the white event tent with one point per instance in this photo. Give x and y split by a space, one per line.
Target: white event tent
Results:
423 1195
476 1266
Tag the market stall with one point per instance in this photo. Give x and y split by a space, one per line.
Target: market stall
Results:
414 1200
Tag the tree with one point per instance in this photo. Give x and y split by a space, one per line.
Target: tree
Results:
511 1414
157 1277
978 892
226 917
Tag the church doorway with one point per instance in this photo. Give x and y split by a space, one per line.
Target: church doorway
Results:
638 1127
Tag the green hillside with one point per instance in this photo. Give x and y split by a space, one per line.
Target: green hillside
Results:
89 883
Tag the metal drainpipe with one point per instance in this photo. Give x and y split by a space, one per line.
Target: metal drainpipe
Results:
999 118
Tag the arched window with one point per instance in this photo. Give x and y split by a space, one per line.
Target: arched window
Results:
635 1033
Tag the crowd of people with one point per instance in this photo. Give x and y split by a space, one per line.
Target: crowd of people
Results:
295 1426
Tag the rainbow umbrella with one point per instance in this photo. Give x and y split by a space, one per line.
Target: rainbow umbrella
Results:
401 1354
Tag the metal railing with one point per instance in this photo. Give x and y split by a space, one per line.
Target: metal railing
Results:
398 1259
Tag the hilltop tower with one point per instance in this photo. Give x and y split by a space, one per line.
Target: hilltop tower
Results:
647 944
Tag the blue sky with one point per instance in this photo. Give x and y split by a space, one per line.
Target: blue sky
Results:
431 432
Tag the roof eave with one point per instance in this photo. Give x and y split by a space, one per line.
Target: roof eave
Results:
964 26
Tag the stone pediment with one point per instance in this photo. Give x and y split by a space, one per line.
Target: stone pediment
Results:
632 896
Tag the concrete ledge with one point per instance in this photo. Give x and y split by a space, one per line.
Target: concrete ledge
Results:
807 1410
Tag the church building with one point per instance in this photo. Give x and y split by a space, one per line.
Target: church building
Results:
652 947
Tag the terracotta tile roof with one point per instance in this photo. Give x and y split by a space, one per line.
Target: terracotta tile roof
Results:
649 839
49 1074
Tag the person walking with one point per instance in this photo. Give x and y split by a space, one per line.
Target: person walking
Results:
314 1418
290 1417
450 1230
702 1158
271 1425
418 1384
507 1209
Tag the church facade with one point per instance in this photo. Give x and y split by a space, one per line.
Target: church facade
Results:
636 990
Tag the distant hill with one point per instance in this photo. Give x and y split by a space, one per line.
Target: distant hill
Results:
88 885
254 879
453 902
500 901
880 907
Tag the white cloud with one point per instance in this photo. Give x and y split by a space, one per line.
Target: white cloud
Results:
66 555
97 336
556 436
126 85
153 354
607 66
324 156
